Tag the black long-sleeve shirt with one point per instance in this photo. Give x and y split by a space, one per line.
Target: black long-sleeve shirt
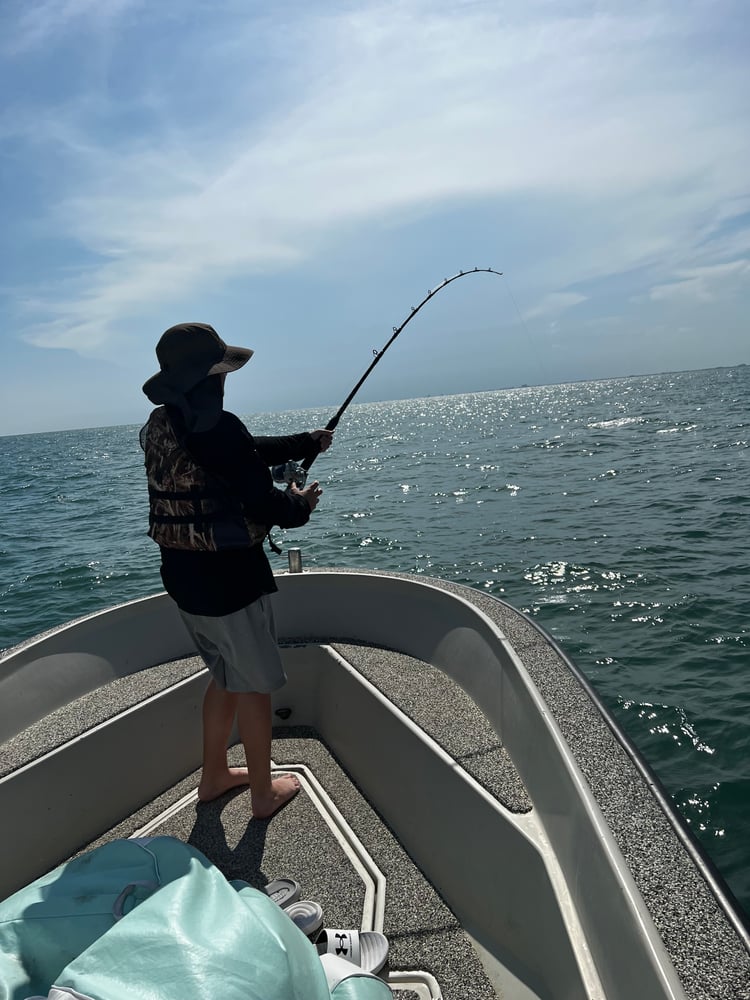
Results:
220 583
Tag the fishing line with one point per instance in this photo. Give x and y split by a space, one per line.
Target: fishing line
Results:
537 350
520 315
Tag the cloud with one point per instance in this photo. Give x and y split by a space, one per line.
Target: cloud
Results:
341 116
552 305
41 23
705 284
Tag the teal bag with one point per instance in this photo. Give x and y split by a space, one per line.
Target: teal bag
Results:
47 924
151 920
199 938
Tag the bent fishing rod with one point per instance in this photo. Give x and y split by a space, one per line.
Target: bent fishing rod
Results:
291 472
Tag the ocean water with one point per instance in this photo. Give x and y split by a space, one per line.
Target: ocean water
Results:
613 512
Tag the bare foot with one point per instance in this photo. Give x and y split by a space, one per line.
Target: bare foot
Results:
218 784
283 790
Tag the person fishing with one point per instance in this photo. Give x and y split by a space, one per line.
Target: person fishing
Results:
212 503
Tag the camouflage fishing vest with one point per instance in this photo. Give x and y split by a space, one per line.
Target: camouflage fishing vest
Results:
189 507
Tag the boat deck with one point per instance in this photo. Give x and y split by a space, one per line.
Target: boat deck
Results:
427 944
425 936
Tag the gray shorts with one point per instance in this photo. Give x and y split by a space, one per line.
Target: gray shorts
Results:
240 649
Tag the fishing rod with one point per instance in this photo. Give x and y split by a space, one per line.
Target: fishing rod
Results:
294 473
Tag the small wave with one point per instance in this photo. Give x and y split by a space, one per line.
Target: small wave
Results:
616 422
677 429
669 721
737 499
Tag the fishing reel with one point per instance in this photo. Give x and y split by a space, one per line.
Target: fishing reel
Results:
290 472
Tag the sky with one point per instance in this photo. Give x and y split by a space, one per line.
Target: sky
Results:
299 175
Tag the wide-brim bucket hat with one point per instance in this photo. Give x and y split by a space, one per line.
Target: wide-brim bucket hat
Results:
188 353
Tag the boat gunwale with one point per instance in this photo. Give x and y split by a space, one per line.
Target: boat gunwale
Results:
707 868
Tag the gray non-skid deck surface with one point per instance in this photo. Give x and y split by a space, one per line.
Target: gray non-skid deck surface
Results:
422 931
77 717
447 714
